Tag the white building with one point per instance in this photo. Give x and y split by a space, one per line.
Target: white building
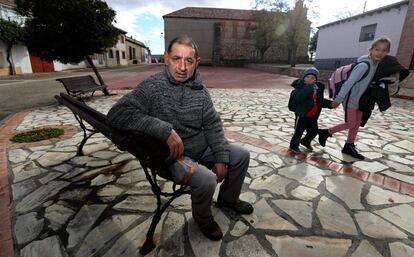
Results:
342 42
20 54
137 52
114 56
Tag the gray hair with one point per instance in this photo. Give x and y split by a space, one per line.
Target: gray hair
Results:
183 40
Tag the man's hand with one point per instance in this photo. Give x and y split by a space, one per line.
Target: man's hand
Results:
334 104
221 171
176 146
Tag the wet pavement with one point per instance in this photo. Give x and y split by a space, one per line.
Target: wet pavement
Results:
320 203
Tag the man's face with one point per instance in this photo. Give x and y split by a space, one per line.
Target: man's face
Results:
181 62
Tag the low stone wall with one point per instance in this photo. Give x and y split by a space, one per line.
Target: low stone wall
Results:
298 71
289 71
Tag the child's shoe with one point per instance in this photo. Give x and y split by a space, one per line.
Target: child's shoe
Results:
323 136
294 148
306 144
349 148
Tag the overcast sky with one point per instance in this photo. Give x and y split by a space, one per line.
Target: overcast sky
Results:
142 19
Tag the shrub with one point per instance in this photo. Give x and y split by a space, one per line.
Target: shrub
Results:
37 135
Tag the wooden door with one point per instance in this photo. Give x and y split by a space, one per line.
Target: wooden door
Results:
40 65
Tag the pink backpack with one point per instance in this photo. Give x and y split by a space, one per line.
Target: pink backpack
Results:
340 75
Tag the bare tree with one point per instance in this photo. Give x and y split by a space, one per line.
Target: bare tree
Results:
298 30
268 24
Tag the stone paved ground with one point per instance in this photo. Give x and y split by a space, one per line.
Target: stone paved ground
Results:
320 204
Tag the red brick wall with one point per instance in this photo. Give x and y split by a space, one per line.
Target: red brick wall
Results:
406 47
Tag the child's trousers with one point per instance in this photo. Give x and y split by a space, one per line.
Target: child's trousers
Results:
353 122
302 124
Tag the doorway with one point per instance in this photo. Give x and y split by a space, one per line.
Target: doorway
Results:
118 57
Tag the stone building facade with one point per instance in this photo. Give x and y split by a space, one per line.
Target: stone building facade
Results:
224 36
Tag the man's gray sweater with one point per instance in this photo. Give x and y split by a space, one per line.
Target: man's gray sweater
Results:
160 104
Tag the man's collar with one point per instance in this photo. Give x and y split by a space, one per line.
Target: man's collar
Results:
194 82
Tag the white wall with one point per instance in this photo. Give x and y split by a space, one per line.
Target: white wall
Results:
342 40
121 47
20 54
61 66
20 57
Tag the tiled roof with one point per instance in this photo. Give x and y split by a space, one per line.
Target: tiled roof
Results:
132 40
121 31
211 13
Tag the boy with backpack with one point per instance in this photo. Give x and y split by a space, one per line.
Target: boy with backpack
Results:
306 100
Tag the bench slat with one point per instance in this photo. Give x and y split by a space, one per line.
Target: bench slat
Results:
80 84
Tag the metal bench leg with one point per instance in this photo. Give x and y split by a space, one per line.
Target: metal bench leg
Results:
149 245
82 143
85 135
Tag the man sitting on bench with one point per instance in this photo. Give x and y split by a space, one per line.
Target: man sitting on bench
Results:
174 107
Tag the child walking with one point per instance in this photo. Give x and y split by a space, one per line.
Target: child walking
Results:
307 101
351 92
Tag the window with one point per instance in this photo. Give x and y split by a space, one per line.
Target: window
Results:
110 53
123 54
134 56
367 33
121 38
130 53
247 33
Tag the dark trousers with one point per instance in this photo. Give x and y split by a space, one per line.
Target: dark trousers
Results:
204 181
302 124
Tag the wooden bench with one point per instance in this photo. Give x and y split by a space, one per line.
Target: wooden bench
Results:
76 86
151 153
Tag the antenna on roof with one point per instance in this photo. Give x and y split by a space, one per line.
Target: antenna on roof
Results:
365 4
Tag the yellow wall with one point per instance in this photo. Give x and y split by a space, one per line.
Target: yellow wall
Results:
5 71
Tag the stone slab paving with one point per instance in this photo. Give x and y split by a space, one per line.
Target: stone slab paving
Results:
320 203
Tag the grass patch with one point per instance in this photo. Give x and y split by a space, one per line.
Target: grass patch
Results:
37 135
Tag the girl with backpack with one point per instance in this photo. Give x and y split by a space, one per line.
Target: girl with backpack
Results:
351 92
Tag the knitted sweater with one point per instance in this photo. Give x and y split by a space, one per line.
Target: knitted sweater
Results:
160 104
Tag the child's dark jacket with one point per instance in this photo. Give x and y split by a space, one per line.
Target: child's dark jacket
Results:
303 100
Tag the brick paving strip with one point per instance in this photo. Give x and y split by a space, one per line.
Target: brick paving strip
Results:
377 179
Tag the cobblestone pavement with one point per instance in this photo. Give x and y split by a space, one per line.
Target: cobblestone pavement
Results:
318 204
